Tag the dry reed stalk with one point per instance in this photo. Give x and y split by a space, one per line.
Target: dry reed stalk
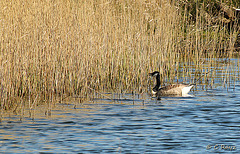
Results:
55 49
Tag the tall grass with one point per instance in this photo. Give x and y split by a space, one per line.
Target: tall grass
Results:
54 49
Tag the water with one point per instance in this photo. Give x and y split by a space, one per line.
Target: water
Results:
206 121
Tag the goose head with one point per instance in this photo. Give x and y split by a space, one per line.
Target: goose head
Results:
153 74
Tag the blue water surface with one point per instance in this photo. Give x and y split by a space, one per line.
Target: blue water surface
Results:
206 121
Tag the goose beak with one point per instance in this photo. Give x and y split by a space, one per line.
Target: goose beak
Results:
151 74
154 73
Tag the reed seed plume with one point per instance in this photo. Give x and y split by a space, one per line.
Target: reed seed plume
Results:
54 49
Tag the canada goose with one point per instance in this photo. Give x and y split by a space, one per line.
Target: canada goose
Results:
174 89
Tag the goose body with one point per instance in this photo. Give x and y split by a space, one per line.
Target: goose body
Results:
174 89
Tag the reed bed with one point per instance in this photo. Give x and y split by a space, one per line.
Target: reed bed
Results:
54 49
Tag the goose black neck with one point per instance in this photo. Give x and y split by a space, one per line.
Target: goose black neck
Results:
158 83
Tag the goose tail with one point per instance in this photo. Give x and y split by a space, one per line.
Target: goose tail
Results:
185 90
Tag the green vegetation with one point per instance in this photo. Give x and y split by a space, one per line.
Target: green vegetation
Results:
54 49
